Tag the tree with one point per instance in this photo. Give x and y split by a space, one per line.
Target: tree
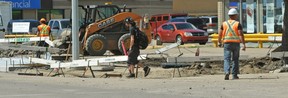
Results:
285 32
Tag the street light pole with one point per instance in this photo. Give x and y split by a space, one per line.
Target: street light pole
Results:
285 32
75 37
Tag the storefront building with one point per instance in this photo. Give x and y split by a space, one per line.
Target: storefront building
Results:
33 9
58 9
256 16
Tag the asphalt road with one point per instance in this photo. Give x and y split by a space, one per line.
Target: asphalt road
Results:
206 86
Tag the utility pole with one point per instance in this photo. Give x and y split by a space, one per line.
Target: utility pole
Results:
75 37
285 32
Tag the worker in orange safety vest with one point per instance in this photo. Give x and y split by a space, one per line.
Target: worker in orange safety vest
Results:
230 36
43 31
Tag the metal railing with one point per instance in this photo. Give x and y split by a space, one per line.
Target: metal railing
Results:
258 37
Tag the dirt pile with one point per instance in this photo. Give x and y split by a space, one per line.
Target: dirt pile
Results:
250 66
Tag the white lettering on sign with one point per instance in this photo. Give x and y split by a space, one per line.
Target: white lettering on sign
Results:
23 4
105 23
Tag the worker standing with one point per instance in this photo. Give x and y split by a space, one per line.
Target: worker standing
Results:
134 51
43 31
230 36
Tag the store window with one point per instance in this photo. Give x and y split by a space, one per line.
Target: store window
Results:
50 14
271 15
17 14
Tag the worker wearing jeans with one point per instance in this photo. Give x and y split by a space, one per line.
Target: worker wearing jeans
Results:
231 36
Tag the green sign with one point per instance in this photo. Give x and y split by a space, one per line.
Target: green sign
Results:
23 39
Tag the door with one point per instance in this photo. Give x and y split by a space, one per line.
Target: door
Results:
55 26
171 33
165 33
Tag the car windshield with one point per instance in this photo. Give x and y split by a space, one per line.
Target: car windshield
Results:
183 26
65 24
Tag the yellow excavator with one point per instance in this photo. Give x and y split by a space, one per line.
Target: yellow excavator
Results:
103 28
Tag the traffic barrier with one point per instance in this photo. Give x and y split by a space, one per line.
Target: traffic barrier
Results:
259 38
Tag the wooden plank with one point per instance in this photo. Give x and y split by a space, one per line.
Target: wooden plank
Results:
201 59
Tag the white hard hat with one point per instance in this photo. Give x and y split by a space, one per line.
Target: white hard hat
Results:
232 12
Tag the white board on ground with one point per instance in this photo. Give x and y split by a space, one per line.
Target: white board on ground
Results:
94 62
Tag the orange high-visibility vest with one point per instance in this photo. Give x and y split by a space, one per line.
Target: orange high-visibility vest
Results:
230 32
43 30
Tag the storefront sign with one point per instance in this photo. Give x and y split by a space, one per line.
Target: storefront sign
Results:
250 16
270 16
25 4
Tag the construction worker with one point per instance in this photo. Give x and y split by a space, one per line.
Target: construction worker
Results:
134 51
43 31
230 36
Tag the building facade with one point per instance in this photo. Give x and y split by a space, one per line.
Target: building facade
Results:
55 9
256 16
196 7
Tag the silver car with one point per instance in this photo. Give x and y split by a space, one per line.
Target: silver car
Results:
212 23
58 26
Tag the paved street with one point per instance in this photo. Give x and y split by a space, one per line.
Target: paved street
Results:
208 86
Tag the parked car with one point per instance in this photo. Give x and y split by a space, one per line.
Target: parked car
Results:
32 28
182 32
157 20
197 22
211 23
58 26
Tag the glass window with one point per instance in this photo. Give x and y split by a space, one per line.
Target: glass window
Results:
55 25
159 18
153 19
57 14
17 14
170 27
214 20
51 23
50 14
165 27
165 17
65 24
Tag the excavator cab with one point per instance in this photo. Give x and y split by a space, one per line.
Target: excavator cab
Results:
92 13
102 28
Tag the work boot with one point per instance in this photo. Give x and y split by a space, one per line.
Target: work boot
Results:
146 71
226 77
235 77
132 75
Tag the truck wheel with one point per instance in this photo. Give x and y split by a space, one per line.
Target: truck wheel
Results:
126 41
116 52
96 45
